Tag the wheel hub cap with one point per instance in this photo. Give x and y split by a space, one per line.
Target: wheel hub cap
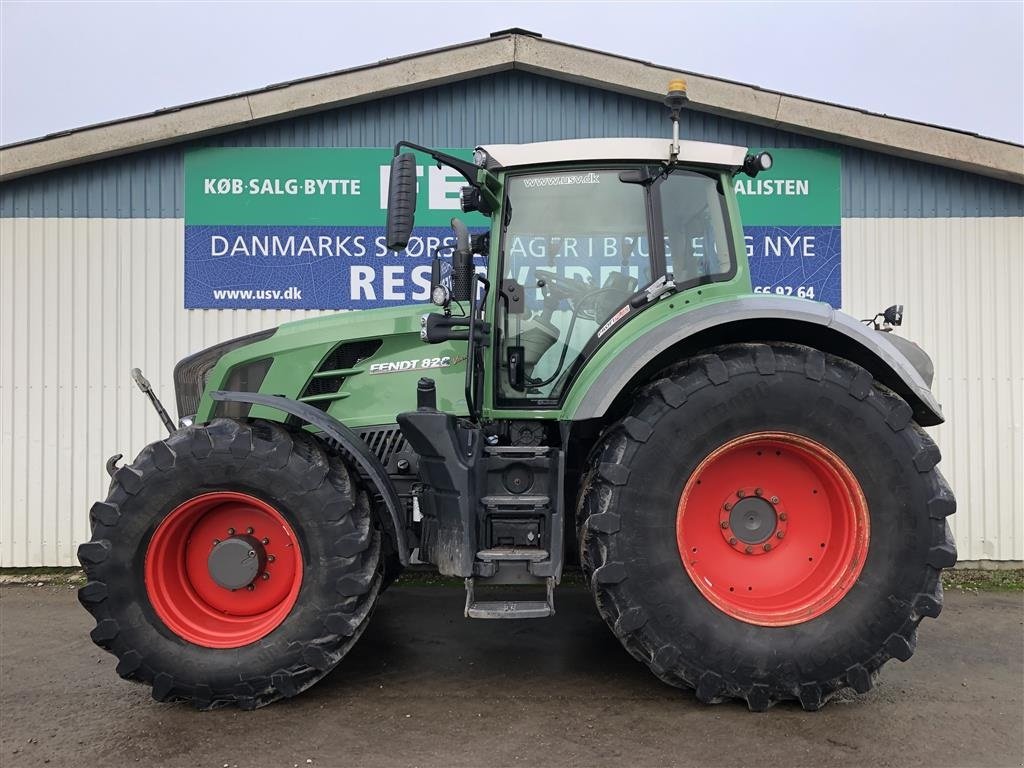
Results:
752 520
236 562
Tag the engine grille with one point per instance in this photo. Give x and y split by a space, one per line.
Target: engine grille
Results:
345 355
385 442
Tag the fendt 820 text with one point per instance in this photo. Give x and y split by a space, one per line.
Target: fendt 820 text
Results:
743 479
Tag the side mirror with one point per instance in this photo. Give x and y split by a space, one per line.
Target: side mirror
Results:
401 201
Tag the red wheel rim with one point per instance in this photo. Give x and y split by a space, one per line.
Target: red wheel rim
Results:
773 528
182 589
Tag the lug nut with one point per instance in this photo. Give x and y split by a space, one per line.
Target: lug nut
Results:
774 499
758 491
783 517
780 534
249 530
231 531
216 542
768 547
271 558
725 523
250 587
741 493
266 540
265 576
748 549
732 541
727 506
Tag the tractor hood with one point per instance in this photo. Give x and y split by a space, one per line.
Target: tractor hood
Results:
360 366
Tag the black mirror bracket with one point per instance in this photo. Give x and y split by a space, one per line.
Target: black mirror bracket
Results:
435 328
466 169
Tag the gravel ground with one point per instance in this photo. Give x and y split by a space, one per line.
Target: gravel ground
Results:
425 687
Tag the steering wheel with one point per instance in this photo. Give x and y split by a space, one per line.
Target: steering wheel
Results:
571 288
555 288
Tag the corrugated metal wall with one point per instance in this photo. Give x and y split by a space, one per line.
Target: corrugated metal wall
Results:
961 282
91 284
82 301
98 296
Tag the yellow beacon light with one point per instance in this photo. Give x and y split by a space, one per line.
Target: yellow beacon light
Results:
676 96
676 85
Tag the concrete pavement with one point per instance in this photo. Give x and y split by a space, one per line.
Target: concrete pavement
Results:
425 687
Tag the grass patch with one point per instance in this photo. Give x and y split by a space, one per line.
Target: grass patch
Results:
51 572
42 576
1011 580
956 580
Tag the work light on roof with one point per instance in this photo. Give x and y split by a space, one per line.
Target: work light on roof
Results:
754 164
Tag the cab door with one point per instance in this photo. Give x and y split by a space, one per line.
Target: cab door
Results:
575 247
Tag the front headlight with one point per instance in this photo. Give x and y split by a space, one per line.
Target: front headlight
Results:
192 372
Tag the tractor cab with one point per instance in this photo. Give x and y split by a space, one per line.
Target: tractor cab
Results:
584 235
582 239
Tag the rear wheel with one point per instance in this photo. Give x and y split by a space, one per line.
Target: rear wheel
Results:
766 524
231 563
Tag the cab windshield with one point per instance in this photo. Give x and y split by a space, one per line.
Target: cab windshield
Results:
577 247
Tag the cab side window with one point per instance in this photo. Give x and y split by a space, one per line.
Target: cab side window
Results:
697 242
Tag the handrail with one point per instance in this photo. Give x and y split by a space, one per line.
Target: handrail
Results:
474 412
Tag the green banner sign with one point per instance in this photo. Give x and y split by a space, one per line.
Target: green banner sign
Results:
803 188
318 186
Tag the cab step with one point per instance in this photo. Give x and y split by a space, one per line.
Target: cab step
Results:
528 554
510 609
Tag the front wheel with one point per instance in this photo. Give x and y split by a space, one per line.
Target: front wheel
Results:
231 563
767 523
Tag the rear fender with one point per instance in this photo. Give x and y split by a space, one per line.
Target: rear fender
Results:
898 364
351 442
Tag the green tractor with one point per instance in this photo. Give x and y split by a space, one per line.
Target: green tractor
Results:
744 478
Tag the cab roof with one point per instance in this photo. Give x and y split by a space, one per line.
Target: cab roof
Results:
586 150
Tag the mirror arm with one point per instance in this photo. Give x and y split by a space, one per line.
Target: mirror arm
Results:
465 168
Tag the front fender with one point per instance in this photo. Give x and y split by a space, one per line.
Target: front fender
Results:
352 444
757 318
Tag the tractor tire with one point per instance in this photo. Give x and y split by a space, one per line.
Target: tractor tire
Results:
180 616
767 523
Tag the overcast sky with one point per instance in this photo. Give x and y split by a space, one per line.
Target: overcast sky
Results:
68 64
